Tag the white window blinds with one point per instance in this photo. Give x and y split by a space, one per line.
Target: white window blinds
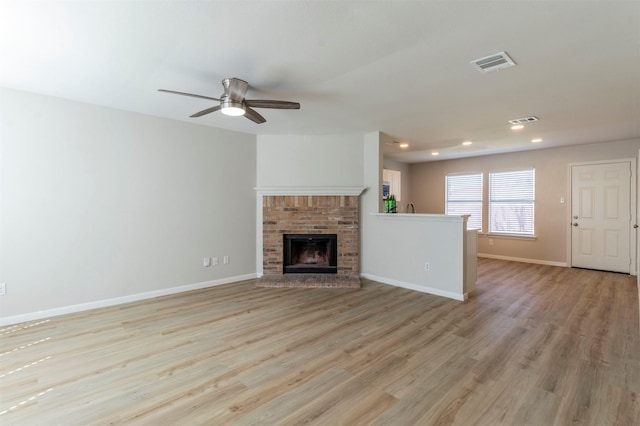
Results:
464 196
511 202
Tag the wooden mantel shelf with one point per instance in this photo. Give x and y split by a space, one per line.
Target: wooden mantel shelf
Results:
310 190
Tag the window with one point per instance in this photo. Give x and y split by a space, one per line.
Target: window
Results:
464 196
511 202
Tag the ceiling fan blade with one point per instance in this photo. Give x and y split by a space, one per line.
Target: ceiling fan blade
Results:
206 111
235 88
188 94
254 116
266 103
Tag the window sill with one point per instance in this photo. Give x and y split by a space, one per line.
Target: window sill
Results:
512 236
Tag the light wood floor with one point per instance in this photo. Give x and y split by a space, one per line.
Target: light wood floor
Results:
536 345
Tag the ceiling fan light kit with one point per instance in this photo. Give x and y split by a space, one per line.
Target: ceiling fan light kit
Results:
233 103
234 109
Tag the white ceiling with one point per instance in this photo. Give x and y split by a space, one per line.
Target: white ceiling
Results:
399 67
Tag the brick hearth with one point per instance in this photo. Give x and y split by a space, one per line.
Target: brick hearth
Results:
311 214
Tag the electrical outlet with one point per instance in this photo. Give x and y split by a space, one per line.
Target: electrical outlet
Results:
490 242
3 289
215 261
427 266
225 260
206 261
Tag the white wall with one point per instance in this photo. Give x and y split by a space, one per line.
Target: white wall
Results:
99 204
401 244
302 160
395 247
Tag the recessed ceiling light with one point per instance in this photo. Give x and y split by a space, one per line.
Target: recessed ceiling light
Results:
536 140
404 145
435 153
467 143
517 127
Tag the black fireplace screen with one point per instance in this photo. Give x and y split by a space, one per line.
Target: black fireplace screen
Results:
310 253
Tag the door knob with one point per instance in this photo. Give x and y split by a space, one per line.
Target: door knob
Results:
635 226
575 224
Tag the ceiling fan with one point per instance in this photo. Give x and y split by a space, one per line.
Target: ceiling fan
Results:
232 101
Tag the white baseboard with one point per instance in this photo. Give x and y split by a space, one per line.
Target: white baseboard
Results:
423 289
523 260
119 300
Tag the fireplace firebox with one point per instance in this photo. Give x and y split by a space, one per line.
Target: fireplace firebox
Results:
310 254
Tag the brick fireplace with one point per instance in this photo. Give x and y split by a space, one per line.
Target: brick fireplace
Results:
311 214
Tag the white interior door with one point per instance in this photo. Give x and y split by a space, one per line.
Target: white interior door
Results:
601 216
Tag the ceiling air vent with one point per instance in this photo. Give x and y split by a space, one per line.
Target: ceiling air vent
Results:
495 62
523 120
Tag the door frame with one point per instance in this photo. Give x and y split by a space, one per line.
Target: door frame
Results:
633 242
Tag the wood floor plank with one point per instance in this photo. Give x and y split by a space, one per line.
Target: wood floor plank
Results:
534 345
541 408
